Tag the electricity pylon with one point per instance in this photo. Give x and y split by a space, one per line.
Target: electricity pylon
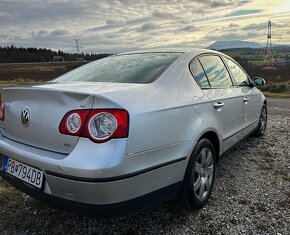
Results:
77 46
269 56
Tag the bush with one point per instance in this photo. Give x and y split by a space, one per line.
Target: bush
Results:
276 88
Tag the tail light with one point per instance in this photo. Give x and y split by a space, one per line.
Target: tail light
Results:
2 110
97 125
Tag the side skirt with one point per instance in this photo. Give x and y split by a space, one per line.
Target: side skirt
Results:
244 137
242 134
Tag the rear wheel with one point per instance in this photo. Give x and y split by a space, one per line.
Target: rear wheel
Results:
262 122
200 175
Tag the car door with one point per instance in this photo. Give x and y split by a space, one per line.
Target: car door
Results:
251 95
226 100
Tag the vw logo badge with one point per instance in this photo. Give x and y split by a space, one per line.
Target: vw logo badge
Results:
25 117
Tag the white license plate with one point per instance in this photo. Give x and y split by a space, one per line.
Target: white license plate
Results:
23 172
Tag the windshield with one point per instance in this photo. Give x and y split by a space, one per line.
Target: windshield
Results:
130 68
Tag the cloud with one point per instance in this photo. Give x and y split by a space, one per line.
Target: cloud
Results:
59 33
244 12
220 3
160 15
40 34
255 26
189 28
147 27
120 25
232 25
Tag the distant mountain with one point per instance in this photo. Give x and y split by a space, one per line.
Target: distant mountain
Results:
220 45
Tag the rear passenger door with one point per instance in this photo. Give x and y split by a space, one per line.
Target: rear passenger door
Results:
213 77
251 95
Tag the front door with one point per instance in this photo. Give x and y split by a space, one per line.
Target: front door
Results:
251 95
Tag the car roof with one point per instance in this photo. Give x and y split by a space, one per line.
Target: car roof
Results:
170 50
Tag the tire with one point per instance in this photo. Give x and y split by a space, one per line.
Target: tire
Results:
199 176
261 129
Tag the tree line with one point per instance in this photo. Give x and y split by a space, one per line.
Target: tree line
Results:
12 54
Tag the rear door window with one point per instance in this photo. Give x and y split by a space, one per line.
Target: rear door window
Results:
216 72
198 72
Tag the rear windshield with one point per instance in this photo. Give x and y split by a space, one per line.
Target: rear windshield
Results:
130 68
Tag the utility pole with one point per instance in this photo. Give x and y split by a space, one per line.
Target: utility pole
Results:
269 56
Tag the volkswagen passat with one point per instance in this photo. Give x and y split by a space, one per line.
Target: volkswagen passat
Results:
129 130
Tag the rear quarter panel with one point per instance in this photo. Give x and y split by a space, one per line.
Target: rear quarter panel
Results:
171 111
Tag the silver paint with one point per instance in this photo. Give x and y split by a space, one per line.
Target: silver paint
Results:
167 118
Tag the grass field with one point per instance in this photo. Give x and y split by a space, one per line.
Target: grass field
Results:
30 72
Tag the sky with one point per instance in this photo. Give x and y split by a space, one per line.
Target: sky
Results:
113 26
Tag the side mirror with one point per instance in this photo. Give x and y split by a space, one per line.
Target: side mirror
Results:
259 81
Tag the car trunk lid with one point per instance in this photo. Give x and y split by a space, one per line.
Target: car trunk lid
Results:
33 115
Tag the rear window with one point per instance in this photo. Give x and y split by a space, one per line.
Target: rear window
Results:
130 68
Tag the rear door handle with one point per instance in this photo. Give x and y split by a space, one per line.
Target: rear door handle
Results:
218 105
246 99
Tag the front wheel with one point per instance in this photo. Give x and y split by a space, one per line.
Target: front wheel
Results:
200 175
262 122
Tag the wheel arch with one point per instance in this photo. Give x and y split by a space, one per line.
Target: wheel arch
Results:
265 102
214 139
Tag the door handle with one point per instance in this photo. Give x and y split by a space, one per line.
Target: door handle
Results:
246 99
218 105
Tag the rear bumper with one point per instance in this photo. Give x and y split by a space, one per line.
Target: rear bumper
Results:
101 176
99 210
105 191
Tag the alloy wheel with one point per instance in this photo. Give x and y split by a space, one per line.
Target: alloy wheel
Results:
203 174
263 120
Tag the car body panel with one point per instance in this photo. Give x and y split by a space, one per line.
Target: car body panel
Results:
47 108
166 119
252 103
230 116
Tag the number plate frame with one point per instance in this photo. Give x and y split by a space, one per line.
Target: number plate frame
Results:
31 175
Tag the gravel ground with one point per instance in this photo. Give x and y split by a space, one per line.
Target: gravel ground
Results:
251 196
279 106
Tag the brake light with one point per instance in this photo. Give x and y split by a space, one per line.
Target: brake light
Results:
97 125
2 110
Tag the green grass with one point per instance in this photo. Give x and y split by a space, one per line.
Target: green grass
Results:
257 62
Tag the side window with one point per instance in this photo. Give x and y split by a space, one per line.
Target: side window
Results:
239 76
199 74
216 71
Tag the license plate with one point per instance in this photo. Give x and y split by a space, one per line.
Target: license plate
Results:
23 172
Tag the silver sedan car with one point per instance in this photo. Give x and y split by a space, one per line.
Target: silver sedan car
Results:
128 131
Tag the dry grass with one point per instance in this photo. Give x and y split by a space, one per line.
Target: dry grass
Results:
34 71
277 95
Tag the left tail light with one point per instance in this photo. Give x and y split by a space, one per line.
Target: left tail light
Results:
2 110
97 125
